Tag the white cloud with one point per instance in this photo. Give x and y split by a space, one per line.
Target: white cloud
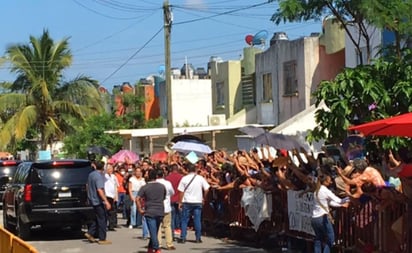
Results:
196 4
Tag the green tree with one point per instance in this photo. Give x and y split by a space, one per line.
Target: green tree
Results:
363 94
92 132
40 99
134 116
394 15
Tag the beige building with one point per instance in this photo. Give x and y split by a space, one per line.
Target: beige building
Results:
290 71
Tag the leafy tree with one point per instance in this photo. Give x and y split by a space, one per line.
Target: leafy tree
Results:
134 116
351 13
40 99
395 16
363 94
91 132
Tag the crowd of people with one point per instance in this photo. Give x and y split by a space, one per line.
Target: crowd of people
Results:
168 196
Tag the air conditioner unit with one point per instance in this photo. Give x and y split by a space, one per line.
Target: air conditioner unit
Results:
217 120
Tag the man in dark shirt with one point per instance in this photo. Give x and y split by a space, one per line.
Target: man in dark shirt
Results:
154 194
97 198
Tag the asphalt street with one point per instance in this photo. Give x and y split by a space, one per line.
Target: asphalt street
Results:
125 240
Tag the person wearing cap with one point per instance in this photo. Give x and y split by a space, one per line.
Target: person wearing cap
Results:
365 174
341 186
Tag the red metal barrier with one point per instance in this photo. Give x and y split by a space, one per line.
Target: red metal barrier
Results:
358 227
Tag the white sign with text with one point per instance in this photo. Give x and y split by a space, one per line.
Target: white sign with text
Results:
300 207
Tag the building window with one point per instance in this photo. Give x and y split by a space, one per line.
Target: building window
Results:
220 94
291 82
267 87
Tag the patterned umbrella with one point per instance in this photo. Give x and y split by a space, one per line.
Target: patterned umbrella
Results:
185 147
125 156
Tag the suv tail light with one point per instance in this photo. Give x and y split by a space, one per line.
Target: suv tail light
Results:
27 192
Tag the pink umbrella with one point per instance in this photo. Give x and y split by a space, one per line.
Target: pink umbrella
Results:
125 156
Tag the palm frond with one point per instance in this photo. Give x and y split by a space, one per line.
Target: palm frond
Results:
12 101
25 119
7 131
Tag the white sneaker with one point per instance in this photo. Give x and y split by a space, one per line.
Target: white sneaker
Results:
131 227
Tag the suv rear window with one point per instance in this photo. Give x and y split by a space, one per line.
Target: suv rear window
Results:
61 175
7 171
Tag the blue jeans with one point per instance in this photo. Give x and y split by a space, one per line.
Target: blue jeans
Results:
176 217
120 202
189 209
323 229
153 223
145 229
133 210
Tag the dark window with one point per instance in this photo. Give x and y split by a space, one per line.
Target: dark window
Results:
61 175
267 87
21 174
220 94
291 82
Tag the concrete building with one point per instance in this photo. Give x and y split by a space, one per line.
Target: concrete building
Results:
191 102
289 72
352 56
233 89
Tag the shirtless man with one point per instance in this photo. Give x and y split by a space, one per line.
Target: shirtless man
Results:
363 174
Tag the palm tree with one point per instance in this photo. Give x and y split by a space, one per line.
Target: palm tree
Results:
39 99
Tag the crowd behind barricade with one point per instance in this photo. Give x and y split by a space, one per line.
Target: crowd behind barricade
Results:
216 186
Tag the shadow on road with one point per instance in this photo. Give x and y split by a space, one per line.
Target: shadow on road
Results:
39 234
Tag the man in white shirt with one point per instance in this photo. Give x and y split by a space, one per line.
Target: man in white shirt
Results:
167 218
110 189
193 189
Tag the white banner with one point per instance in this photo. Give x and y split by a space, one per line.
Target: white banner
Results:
300 211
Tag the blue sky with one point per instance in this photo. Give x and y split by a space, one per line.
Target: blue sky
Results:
104 34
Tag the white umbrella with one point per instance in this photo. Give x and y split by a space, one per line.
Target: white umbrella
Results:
187 146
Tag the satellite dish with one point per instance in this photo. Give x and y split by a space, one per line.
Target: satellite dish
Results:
260 37
249 39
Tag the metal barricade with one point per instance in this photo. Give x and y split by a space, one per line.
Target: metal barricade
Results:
13 244
358 227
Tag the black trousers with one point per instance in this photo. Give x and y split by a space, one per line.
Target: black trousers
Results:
99 224
112 214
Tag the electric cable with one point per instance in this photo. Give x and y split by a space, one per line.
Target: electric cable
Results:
133 55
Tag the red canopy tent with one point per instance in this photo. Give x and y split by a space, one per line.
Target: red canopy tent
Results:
394 126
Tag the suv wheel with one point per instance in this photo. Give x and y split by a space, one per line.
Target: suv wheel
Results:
22 229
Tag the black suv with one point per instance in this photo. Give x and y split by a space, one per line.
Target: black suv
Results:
49 193
7 170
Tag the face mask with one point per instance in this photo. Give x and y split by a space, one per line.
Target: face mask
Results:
122 172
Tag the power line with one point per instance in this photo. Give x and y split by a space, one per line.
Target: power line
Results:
133 55
116 5
102 14
218 14
112 35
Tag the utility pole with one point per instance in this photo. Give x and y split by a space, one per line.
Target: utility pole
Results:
167 16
